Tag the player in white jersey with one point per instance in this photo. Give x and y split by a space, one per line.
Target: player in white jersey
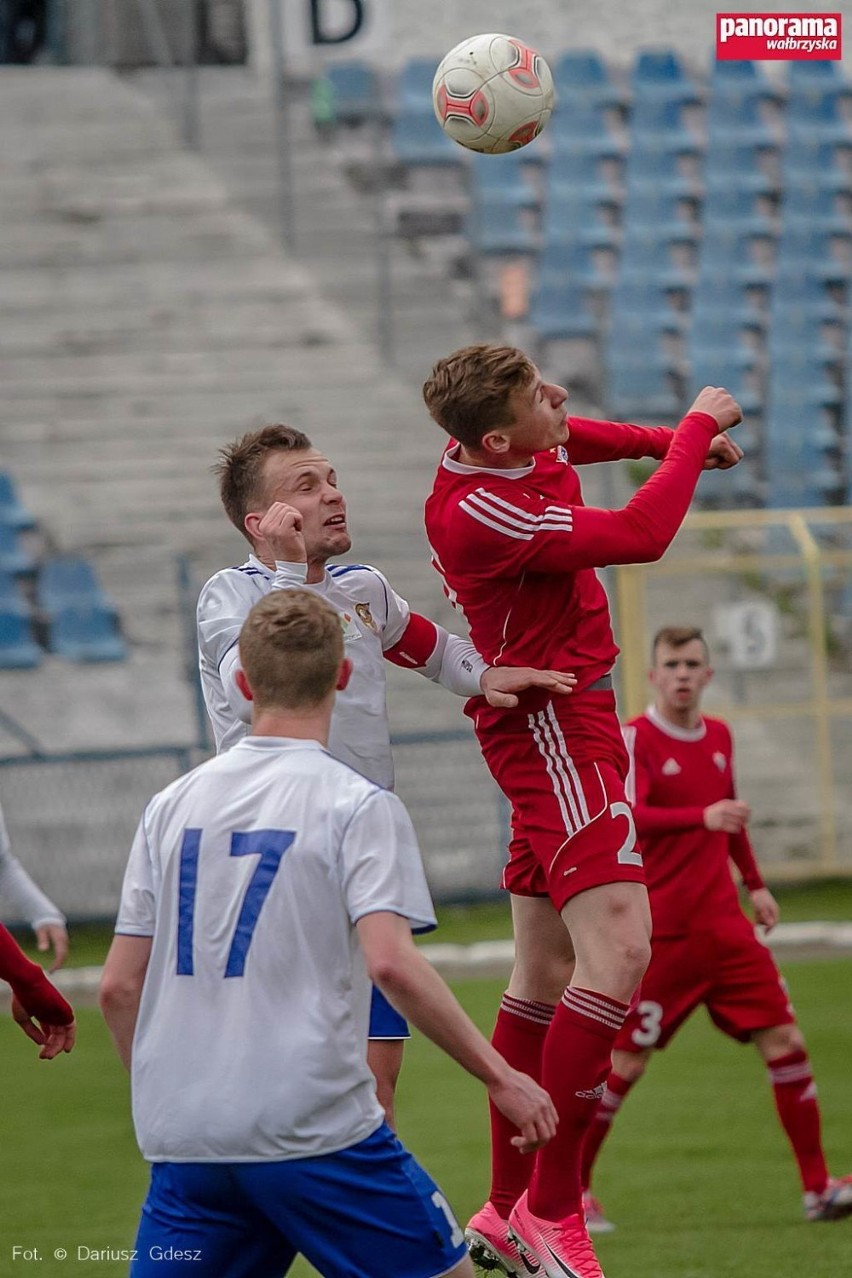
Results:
263 891
281 493
46 920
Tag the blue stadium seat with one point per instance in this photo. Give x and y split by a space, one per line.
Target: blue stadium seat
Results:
641 389
495 226
571 262
816 113
800 286
827 254
11 599
726 203
741 255
649 299
18 649
582 74
736 114
654 163
822 206
720 292
582 127
650 254
798 472
716 332
820 71
661 120
751 166
418 140
414 83
571 215
86 633
799 328
740 71
12 511
356 92
808 159
659 73
506 176
14 558
66 581
561 311
794 369
669 214
581 170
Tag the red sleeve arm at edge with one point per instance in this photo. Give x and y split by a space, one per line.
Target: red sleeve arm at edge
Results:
30 985
596 441
666 820
742 855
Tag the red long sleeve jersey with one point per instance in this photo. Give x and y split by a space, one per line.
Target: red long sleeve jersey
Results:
675 773
517 549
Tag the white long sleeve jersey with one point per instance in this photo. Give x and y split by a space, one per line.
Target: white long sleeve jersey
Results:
375 619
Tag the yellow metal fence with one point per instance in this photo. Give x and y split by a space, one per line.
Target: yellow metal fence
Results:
772 591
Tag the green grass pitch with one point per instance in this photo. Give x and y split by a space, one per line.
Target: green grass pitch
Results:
697 1174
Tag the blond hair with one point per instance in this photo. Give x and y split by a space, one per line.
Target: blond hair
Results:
240 468
469 393
291 647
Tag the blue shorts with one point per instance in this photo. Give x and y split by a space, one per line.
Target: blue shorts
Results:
385 1021
367 1212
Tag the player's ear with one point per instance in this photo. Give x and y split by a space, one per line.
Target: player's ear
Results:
344 674
250 524
243 684
496 442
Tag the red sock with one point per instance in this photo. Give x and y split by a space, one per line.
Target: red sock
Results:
519 1037
608 1106
798 1108
575 1063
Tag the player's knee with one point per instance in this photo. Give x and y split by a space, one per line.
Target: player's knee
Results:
633 954
542 979
781 1040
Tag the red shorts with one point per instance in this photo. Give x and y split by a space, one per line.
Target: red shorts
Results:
562 767
727 969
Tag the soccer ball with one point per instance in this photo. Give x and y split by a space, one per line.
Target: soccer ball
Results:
493 93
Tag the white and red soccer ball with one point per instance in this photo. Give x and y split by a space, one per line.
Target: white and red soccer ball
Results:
493 93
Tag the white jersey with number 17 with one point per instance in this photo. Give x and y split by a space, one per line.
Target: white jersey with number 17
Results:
250 874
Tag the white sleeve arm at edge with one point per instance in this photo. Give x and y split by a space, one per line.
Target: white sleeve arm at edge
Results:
462 667
25 895
289 575
227 672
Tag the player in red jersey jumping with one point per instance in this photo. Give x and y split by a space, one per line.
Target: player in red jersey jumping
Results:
690 821
517 550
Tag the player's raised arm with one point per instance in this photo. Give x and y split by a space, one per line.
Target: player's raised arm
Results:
407 978
515 535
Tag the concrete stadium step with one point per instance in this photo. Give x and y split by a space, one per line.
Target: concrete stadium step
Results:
147 318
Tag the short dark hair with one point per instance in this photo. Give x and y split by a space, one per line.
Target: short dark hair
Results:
469 392
291 647
240 467
678 637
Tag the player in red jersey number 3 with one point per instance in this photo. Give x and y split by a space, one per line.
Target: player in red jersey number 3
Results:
705 951
518 550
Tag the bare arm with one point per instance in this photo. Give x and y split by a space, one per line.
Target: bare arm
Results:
415 988
121 989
